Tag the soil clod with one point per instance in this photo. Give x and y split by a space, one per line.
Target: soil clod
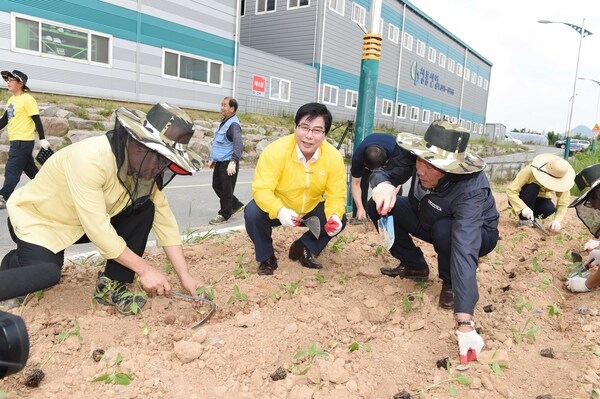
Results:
547 352
97 354
279 374
34 377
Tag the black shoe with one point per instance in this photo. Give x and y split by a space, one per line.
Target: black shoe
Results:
446 298
267 267
405 272
238 209
299 252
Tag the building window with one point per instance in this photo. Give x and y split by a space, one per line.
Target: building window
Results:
393 33
461 122
436 116
459 69
407 41
476 127
467 74
401 111
432 54
297 3
414 113
263 6
330 94
337 6
359 14
474 78
480 81
63 41
425 115
280 89
446 117
453 119
442 60
198 69
243 8
451 65
351 99
468 126
485 84
421 48
386 107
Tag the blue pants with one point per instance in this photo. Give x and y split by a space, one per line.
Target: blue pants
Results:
32 267
260 227
407 224
19 160
543 207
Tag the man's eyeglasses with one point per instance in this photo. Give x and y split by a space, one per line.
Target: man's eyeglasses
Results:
317 131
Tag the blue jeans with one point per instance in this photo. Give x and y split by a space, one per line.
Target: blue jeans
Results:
19 160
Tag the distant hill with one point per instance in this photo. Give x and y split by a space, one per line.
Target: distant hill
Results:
583 130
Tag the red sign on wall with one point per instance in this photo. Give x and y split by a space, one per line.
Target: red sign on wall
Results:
259 85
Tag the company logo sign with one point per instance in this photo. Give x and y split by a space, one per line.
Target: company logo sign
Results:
423 76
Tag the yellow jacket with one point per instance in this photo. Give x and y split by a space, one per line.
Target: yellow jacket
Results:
524 177
76 192
281 180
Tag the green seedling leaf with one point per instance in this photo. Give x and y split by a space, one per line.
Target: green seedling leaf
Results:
320 278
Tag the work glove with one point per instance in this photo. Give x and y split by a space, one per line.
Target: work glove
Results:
469 346
384 195
231 168
45 144
577 284
594 258
527 213
287 217
333 225
591 245
554 226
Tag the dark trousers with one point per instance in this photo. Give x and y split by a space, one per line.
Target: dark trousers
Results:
224 185
407 224
542 207
19 160
40 268
260 227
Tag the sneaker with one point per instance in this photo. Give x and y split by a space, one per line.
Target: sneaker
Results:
116 293
238 209
526 222
12 303
219 219
2 202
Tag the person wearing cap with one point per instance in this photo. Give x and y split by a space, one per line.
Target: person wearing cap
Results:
450 205
298 176
225 155
372 153
530 193
587 206
22 119
107 190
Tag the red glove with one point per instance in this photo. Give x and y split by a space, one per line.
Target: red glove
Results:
333 225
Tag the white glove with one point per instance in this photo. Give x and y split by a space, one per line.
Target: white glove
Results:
577 284
594 256
287 216
554 225
333 225
45 144
527 213
469 346
384 196
591 245
231 168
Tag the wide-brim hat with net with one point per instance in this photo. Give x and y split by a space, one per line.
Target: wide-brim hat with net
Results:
165 129
20 76
586 181
553 172
444 146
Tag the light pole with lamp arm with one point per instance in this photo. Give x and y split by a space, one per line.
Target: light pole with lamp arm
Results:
596 117
582 33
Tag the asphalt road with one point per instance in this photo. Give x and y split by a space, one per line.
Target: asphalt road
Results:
194 202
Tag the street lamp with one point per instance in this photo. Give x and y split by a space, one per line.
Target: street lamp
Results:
597 107
582 33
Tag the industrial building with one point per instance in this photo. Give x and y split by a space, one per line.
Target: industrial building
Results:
272 55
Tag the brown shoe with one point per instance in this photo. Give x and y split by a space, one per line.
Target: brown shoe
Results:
268 266
405 272
446 298
299 252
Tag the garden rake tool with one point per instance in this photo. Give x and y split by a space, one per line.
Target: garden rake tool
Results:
313 224
211 304
537 223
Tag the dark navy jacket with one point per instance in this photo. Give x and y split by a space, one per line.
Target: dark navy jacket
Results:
384 140
465 199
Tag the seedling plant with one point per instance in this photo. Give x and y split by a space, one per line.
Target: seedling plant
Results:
116 377
239 297
452 377
526 332
304 359
62 337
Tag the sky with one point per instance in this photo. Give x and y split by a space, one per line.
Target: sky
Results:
534 64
